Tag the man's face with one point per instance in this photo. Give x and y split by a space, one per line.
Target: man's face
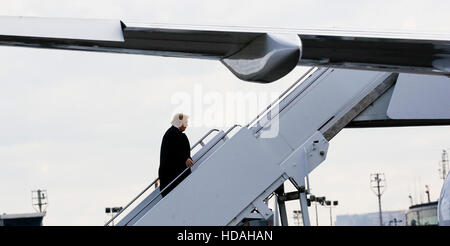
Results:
183 128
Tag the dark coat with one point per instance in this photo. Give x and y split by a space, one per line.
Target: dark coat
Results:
175 150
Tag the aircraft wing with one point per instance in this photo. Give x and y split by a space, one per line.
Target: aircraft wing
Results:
256 54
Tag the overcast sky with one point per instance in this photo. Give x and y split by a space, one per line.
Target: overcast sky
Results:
87 126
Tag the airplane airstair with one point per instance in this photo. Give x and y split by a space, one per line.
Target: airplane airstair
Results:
234 176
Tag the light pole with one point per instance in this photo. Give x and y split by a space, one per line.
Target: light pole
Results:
378 185
113 211
428 192
321 201
314 199
297 215
331 204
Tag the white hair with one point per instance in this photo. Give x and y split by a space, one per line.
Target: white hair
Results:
179 120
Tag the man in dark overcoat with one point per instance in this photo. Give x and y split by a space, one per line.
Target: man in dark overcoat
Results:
175 154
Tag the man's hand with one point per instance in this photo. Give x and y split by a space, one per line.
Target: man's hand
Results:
189 162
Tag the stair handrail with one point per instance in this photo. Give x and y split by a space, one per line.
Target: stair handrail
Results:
218 140
282 95
161 191
321 71
148 187
132 201
200 141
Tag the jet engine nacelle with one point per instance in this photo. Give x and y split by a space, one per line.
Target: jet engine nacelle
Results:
266 59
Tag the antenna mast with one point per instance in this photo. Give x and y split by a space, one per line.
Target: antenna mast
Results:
40 200
443 165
